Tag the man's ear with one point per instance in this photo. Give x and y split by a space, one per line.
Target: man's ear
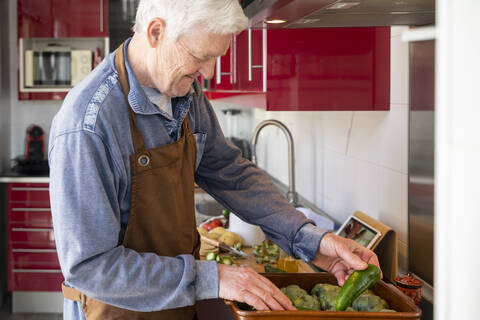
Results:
156 32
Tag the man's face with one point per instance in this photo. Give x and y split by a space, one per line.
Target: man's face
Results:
178 64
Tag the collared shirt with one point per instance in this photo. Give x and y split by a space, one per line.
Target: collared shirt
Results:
89 151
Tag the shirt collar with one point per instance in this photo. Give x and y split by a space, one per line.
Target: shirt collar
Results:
137 98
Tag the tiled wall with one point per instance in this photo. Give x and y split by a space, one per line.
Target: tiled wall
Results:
348 161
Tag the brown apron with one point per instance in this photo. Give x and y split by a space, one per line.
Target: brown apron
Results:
162 214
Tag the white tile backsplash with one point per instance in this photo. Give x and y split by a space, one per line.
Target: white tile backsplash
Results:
393 201
394 144
368 129
399 71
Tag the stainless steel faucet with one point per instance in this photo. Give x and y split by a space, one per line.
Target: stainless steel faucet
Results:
291 194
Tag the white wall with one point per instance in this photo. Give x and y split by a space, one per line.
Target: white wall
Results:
4 90
348 161
24 113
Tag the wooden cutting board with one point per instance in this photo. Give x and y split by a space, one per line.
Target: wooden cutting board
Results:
250 262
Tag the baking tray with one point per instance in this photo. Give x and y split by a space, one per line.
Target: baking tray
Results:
405 307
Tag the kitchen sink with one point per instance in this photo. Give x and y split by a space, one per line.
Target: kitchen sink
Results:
209 208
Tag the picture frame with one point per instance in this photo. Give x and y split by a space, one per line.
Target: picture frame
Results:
359 231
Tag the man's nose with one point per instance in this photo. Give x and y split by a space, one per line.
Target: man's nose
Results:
208 69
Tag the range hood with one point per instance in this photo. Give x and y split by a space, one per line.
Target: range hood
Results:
338 13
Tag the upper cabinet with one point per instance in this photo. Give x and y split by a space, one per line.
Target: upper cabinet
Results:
62 18
309 69
60 42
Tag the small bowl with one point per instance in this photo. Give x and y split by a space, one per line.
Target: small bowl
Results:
410 286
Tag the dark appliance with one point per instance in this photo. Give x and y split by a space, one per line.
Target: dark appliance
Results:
34 143
33 162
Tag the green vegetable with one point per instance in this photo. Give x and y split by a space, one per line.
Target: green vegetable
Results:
370 303
270 269
211 256
327 295
300 299
238 246
356 284
226 213
218 258
226 260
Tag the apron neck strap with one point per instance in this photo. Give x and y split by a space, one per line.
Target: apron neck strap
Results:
138 144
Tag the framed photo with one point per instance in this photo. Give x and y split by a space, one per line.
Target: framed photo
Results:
359 231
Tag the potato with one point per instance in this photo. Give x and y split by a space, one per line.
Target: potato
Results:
213 236
202 231
219 230
230 238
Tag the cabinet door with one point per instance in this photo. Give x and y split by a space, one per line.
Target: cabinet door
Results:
250 60
328 69
35 19
80 18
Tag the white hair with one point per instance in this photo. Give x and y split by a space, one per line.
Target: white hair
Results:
181 16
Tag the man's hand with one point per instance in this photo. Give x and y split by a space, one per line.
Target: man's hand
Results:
341 256
243 284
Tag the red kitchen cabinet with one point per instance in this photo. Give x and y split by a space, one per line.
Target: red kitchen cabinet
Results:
62 18
80 18
35 19
31 254
312 69
250 60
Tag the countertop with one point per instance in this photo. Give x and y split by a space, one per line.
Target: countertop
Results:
11 177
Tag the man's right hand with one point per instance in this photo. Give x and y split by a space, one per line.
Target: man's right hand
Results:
243 284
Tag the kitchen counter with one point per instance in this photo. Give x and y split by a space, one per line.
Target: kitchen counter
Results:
12 177
302 266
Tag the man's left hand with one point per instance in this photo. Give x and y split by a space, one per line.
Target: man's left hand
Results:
341 256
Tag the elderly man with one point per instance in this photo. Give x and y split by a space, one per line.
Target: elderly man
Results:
125 150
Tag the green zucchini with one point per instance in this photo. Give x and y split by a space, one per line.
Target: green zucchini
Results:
356 284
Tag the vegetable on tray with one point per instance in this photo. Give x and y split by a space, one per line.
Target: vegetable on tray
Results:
355 285
323 297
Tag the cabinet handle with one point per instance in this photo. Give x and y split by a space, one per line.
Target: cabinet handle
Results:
29 189
233 60
101 15
32 209
250 65
219 69
33 229
35 250
37 271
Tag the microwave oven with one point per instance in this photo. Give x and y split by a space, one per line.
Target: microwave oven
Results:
56 67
